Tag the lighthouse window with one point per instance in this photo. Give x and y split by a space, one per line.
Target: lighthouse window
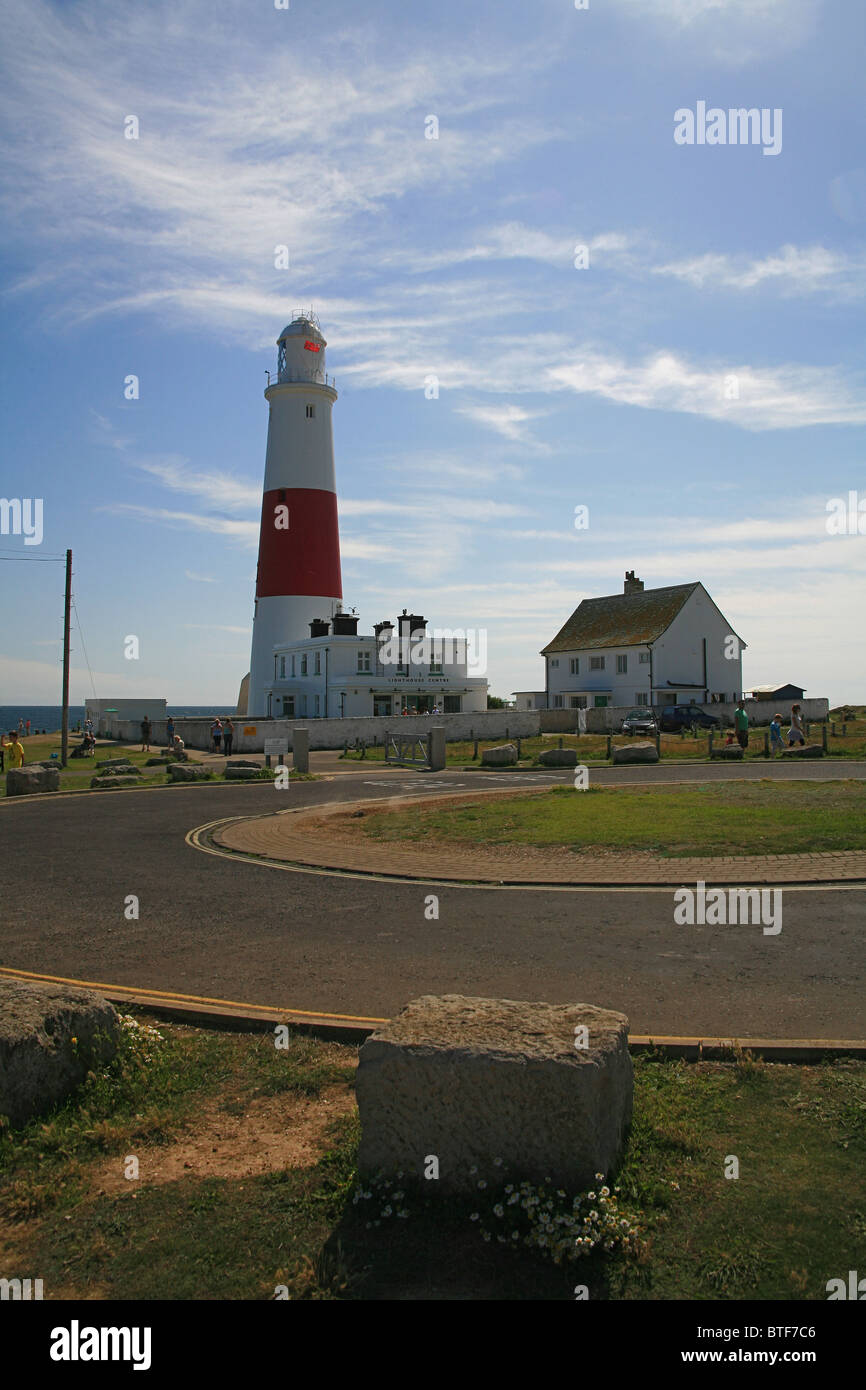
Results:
311 412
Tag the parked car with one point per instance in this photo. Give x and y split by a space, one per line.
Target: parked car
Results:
672 718
640 721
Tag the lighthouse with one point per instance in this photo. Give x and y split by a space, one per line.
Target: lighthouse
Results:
298 579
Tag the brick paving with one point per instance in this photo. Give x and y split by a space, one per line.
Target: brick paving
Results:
327 838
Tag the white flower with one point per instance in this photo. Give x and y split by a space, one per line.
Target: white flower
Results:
605 1192
499 1209
474 1216
482 1184
599 1177
497 1162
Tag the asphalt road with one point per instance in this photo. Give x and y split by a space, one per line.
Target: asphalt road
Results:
224 928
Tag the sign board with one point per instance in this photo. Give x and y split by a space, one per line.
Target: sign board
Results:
276 745
249 730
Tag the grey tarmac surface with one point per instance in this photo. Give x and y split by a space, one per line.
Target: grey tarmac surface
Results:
225 928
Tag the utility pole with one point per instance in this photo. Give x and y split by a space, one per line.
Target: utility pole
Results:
64 726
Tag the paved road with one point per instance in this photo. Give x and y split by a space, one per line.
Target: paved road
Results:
217 927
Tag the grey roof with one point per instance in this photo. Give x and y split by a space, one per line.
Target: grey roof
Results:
621 620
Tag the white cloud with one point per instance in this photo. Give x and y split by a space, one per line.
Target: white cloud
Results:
507 420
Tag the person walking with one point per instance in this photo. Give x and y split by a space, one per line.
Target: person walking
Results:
15 750
216 733
3 746
27 725
169 731
776 743
228 737
145 735
741 722
795 733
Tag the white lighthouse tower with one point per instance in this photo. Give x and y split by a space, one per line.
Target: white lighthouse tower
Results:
298 578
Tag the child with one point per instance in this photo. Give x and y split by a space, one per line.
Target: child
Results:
776 744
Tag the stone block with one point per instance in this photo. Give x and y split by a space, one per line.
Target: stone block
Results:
244 774
111 784
301 750
188 772
472 1080
114 762
50 1037
558 757
503 756
242 762
809 750
729 753
635 753
26 781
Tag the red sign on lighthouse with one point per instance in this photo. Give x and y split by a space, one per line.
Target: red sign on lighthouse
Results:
311 347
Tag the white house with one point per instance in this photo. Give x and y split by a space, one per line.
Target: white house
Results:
641 647
335 673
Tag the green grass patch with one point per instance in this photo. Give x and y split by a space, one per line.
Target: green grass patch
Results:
794 1218
719 818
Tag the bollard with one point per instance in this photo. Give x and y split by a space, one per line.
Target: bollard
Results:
518 746
710 748
267 760
436 750
363 749
560 743
475 751
766 743
301 750
833 728
844 730
824 736
658 744
345 748
608 745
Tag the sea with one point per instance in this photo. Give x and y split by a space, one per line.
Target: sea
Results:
48 717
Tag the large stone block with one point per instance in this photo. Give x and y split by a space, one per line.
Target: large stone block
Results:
470 1081
730 752
188 772
558 757
50 1037
111 784
635 753
808 750
26 781
503 756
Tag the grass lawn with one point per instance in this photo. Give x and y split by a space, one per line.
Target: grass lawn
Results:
718 818
78 771
592 748
247 1169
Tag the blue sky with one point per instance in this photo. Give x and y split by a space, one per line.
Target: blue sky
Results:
606 386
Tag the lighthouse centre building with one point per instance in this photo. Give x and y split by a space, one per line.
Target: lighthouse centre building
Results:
308 660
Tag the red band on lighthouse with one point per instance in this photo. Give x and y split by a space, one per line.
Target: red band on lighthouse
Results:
302 557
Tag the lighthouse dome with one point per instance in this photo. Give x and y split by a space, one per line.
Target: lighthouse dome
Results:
301 349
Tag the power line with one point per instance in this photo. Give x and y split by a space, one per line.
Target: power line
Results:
40 559
83 647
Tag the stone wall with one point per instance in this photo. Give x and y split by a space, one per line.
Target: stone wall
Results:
332 733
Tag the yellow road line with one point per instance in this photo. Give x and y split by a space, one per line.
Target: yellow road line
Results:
184 998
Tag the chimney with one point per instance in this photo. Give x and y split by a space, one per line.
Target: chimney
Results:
632 585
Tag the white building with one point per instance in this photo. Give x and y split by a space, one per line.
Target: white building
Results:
641 647
101 711
335 673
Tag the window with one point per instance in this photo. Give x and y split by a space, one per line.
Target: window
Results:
304 666
316 710
452 704
382 704
600 701
554 661
282 668
557 702
574 665
621 665
318 665
311 412
578 702
641 698
288 706
596 663
643 658
435 668
363 661
303 706
293 665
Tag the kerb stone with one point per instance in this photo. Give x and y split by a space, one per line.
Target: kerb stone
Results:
472 1080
